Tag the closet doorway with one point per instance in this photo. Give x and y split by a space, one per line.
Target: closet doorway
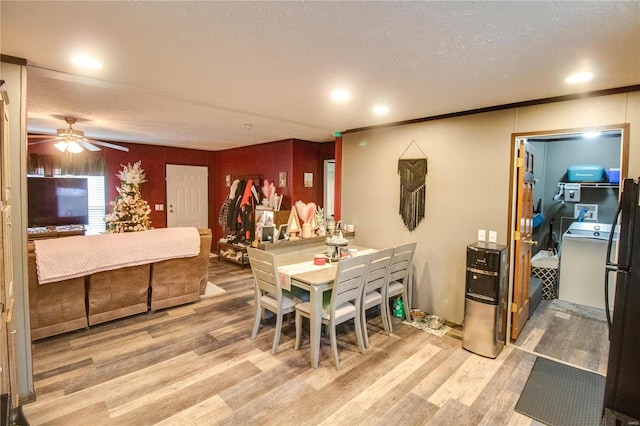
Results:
547 330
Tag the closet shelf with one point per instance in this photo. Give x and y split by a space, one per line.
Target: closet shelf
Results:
591 184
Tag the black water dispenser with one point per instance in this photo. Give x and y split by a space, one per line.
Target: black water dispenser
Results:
485 312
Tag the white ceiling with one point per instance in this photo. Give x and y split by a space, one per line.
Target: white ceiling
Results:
190 74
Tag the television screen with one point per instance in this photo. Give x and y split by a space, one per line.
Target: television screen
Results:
58 201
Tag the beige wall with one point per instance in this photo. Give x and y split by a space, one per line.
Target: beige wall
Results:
467 184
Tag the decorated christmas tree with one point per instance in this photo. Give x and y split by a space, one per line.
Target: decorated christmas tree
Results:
130 212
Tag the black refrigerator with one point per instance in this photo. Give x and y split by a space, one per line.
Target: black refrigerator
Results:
622 387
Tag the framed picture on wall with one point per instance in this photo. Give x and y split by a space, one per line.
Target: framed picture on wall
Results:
282 232
268 233
308 180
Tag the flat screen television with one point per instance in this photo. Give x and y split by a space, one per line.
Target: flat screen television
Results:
57 201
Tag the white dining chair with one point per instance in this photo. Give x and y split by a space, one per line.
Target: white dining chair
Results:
375 287
269 294
346 296
399 275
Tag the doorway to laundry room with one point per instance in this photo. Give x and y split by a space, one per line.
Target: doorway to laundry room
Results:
576 186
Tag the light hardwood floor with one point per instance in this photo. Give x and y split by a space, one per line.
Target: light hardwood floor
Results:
196 364
574 334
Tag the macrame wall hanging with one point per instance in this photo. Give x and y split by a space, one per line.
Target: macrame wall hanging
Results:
413 190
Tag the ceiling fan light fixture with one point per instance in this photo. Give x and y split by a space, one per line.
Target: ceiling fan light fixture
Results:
62 146
79 134
74 147
73 141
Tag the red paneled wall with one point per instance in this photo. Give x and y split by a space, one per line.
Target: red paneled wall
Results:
153 158
308 158
265 160
293 156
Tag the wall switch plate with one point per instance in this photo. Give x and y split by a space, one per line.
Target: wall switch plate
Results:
493 237
482 235
572 192
159 207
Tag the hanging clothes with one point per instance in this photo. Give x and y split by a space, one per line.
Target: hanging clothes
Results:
247 207
223 216
236 216
233 225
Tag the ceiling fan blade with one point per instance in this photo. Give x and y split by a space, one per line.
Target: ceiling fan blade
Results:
43 141
40 136
88 146
110 145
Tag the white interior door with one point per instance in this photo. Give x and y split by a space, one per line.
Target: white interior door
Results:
187 196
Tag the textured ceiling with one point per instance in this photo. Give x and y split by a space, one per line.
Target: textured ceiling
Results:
190 74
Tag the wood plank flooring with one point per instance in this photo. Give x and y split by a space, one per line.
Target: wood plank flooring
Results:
574 334
196 365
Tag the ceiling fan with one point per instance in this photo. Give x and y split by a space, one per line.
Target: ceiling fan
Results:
73 141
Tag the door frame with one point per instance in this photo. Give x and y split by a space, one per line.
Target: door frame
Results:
329 192
513 188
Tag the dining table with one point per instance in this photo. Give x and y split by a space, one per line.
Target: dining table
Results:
299 270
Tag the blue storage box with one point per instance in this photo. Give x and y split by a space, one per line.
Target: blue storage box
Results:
586 173
614 175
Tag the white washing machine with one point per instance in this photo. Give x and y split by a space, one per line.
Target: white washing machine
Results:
582 264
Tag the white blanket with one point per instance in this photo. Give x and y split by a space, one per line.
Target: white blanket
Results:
60 259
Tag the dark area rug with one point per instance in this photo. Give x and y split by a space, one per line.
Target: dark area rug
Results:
560 395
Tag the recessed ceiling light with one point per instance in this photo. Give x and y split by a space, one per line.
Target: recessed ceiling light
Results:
590 135
380 109
340 95
580 77
86 62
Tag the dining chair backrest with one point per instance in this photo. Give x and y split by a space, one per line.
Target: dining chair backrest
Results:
265 271
401 262
378 269
349 280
